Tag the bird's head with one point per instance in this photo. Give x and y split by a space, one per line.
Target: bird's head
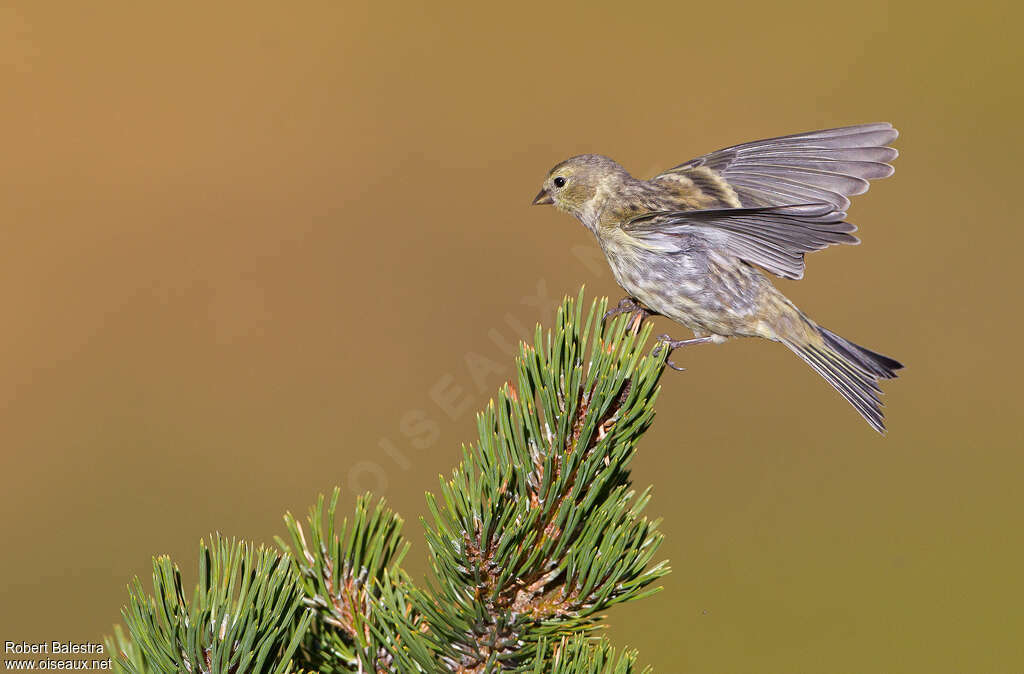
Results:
574 185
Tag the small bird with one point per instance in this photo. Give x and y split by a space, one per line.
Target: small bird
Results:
691 243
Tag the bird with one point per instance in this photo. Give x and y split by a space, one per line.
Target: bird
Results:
695 243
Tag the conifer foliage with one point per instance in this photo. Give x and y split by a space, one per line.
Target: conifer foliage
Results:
535 534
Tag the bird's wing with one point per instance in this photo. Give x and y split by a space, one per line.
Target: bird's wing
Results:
820 166
774 238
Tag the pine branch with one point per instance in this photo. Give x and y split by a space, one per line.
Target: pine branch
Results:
536 534
245 615
342 574
581 655
537 531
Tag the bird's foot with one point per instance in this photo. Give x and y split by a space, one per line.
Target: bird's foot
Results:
673 344
630 305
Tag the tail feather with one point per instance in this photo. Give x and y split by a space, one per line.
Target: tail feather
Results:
852 370
873 362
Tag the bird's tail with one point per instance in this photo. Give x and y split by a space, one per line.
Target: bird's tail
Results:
851 369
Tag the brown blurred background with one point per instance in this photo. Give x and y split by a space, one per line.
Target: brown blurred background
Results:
245 252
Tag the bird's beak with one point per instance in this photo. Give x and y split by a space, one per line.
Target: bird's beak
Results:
542 198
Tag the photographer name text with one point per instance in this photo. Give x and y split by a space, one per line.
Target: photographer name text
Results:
52 647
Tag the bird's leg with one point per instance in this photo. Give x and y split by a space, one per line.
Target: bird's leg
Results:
626 304
630 305
673 344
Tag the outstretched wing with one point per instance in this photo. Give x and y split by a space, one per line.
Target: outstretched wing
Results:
774 238
817 167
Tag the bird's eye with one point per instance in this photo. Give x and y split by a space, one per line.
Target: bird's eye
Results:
559 181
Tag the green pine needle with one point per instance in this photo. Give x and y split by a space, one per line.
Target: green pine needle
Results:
245 615
342 574
581 655
533 537
537 531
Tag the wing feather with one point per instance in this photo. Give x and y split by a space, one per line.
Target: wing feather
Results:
820 166
775 238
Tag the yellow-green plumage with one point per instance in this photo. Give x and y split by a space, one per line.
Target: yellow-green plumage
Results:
690 243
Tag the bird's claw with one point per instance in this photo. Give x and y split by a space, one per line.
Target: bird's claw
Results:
630 305
626 304
673 344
